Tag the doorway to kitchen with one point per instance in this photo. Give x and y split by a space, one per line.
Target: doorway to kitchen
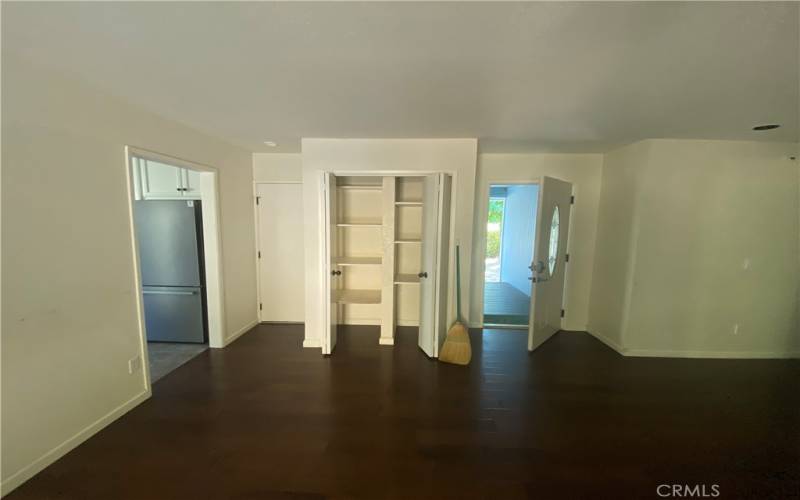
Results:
510 235
174 219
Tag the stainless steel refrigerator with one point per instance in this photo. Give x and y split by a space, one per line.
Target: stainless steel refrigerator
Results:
171 255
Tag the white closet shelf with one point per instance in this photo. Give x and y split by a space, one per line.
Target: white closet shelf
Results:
357 296
360 223
365 187
406 279
359 261
408 203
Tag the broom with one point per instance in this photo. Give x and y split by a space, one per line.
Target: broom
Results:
456 348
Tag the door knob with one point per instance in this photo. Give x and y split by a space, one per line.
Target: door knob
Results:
336 273
422 275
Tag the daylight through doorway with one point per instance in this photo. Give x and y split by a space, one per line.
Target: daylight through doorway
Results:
510 232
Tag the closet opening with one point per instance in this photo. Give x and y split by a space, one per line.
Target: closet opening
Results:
510 237
387 255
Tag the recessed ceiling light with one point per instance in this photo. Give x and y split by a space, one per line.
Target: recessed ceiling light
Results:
766 127
271 144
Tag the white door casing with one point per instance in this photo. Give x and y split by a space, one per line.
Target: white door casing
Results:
548 268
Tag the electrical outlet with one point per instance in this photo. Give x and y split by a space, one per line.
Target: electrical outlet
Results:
736 328
134 365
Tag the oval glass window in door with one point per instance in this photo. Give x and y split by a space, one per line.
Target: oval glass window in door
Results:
552 254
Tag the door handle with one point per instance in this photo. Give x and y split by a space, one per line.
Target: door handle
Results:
336 273
422 275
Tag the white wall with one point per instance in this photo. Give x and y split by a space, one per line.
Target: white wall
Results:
519 226
583 171
69 317
615 242
712 243
456 156
277 167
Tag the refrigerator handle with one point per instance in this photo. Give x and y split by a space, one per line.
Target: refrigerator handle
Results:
165 292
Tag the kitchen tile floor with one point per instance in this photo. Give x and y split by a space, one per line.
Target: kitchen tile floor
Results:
166 356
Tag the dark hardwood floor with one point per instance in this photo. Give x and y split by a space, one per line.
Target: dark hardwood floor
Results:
265 419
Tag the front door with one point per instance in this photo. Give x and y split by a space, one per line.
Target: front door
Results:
548 268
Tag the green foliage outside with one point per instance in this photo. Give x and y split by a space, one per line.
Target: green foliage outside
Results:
493 244
496 211
493 233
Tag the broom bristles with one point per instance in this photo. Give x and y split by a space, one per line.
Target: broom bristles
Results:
457 348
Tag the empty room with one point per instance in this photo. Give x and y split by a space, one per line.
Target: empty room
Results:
456 250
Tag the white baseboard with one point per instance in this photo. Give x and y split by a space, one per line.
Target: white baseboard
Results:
607 341
407 322
659 353
238 333
693 354
312 343
361 322
377 322
59 451
382 341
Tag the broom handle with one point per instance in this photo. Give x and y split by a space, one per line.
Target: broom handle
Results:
458 284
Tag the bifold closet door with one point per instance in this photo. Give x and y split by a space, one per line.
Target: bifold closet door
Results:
331 272
434 272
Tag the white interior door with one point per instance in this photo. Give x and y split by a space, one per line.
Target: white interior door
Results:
442 322
549 260
331 273
427 275
280 241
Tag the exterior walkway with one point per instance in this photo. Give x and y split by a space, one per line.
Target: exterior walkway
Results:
505 305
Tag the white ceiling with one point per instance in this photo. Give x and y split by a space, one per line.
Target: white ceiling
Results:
518 76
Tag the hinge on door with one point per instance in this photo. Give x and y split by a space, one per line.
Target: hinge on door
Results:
258 199
571 200
260 306
566 257
562 313
259 254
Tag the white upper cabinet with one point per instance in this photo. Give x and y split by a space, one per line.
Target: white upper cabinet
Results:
160 181
190 183
157 181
